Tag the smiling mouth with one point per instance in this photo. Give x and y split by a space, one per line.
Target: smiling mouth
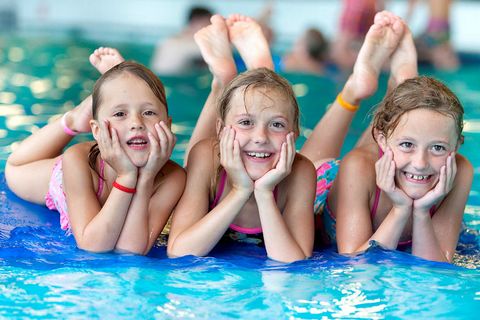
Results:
417 178
137 142
259 155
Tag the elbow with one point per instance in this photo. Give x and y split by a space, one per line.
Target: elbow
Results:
176 252
93 247
348 250
290 259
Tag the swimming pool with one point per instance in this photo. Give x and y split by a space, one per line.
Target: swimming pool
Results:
43 275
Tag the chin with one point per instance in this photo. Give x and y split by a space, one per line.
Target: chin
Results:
416 194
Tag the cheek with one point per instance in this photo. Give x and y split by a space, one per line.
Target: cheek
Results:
438 162
401 159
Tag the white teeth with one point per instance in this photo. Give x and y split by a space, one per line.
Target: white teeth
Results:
137 141
416 177
259 154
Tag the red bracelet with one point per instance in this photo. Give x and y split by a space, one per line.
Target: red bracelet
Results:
123 188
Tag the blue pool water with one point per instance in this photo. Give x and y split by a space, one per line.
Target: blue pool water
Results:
44 275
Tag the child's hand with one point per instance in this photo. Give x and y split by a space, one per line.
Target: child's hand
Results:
385 170
160 150
232 162
112 152
282 169
442 188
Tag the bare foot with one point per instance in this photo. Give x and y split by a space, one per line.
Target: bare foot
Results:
78 119
103 59
247 36
381 40
215 48
403 63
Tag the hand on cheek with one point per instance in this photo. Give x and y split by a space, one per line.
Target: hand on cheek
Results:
282 168
231 160
385 169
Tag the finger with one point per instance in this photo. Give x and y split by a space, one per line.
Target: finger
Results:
291 152
282 159
114 137
231 145
154 146
163 140
171 139
441 186
451 171
222 146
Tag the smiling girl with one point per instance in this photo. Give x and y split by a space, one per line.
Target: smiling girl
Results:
411 186
117 192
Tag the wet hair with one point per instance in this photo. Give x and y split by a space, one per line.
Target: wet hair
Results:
198 13
316 44
127 67
257 78
417 93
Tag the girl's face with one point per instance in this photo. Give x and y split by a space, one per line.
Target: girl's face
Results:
421 143
132 110
262 118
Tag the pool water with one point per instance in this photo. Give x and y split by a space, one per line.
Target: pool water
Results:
44 275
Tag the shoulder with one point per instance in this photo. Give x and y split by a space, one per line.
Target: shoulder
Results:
172 171
78 152
464 165
302 167
356 178
464 174
204 155
359 162
302 178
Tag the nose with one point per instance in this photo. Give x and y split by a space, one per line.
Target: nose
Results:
137 122
260 135
420 160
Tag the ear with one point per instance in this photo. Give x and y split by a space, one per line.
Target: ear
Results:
169 123
219 126
381 141
460 141
95 128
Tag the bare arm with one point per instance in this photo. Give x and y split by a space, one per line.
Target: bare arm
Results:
354 223
196 230
435 238
327 138
289 236
136 234
95 228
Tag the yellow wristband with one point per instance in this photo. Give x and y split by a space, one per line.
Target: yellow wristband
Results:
344 104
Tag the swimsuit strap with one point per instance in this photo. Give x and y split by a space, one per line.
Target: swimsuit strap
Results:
100 178
218 195
246 230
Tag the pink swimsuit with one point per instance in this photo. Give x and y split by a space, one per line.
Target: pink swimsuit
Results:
238 231
55 197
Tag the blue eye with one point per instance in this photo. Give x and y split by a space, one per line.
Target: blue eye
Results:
406 145
119 114
150 113
279 125
245 122
439 149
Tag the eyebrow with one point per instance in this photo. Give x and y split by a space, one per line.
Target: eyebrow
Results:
413 139
249 115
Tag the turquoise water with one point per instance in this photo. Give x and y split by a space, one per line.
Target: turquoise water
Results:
43 275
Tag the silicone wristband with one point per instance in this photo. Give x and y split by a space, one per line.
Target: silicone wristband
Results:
66 129
123 188
344 104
